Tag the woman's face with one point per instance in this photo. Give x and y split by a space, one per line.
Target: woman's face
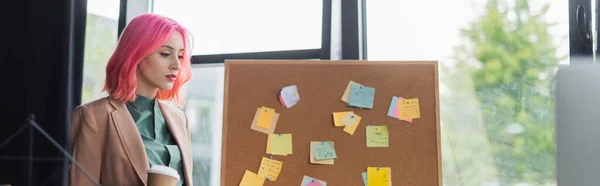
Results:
160 69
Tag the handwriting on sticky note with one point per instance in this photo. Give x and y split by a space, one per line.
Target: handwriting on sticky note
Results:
408 109
361 96
270 169
312 155
378 176
377 136
265 117
281 144
251 179
324 151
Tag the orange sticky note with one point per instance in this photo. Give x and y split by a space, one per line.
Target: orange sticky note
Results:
251 179
378 176
338 117
269 169
350 129
265 117
408 109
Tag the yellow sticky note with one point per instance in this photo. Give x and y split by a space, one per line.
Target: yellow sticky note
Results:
338 117
269 146
350 129
269 169
265 117
251 179
346 94
378 176
281 144
408 109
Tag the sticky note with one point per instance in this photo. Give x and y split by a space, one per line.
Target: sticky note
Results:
309 181
338 117
324 150
265 117
361 96
313 160
408 109
378 176
270 169
364 176
270 130
377 136
349 119
350 129
289 96
346 94
251 179
393 110
269 147
281 144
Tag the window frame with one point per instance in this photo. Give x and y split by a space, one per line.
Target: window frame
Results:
128 10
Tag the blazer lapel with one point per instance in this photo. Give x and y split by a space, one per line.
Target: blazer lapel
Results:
177 127
130 138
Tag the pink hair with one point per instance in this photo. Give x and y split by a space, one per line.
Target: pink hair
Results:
144 35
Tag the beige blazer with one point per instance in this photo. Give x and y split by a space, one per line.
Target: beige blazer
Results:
104 139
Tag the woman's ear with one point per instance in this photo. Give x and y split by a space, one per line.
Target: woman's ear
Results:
140 65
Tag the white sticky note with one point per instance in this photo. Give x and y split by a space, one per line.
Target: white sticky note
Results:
289 96
349 119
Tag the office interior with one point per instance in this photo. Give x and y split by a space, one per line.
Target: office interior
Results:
498 62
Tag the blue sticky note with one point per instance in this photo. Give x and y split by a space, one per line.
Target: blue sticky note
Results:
361 96
393 105
324 151
364 175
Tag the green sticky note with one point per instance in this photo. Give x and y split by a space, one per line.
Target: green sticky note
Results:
324 151
281 144
361 96
377 136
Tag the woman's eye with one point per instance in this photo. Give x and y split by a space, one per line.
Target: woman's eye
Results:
165 54
180 57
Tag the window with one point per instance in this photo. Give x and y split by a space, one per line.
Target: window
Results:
229 26
100 41
204 108
497 104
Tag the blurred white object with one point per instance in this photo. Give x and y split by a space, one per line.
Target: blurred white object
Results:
578 125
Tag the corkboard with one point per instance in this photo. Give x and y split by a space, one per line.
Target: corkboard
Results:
414 151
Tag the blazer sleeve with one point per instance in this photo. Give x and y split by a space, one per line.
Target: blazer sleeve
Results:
85 148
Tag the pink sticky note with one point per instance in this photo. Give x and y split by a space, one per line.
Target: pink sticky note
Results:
314 182
281 100
396 112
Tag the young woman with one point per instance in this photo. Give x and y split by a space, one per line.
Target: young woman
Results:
118 138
